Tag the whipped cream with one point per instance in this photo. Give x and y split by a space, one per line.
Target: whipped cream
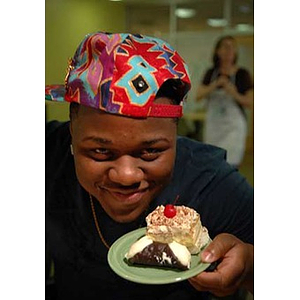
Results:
184 228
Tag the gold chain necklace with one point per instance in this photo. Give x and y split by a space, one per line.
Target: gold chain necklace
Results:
96 223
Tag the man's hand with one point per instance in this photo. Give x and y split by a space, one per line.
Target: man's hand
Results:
235 269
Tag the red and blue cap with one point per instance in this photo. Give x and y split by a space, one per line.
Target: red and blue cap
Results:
121 73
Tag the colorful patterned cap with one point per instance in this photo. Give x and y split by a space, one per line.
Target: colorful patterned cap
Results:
121 73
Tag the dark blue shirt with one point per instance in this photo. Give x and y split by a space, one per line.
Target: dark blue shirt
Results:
201 179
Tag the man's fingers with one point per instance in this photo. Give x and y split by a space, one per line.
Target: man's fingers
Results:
207 280
218 247
225 275
213 285
231 255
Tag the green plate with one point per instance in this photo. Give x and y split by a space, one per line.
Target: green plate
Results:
147 274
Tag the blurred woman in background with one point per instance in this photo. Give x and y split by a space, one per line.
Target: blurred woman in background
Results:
229 91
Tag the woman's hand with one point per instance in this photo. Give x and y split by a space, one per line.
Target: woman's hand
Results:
222 81
231 89
235 269
244 99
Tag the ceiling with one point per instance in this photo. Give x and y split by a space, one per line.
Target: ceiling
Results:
159 16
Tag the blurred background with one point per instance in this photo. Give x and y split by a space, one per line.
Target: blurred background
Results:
190 26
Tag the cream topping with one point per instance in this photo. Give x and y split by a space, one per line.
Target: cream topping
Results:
184 217
185 228
138 246
182 253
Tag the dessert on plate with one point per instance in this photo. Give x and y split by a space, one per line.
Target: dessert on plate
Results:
184 227
148 252
173 233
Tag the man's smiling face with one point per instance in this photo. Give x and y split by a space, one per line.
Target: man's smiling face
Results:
123 162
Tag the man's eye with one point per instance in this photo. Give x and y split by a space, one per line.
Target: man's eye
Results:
100 151
100 154
150 153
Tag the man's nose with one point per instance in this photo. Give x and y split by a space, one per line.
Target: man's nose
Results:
126 171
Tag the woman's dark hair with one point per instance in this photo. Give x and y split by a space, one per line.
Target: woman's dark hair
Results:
216 59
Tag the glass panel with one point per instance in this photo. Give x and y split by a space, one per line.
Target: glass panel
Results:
203 11
153 18
242 12
148 19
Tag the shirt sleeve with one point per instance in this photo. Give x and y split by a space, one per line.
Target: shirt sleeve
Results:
244 81
227 206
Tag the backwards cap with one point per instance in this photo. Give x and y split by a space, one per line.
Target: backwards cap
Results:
121 73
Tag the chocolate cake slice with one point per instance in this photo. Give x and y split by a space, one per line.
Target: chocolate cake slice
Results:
145 251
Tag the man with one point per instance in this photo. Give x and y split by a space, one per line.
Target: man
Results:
120 156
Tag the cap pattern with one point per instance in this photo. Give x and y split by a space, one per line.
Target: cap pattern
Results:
121 74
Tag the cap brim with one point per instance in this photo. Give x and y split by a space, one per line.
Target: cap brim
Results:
55 92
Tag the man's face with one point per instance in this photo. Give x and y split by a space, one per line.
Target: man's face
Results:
123 162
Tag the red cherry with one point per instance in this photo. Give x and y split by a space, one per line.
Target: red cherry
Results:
170 211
